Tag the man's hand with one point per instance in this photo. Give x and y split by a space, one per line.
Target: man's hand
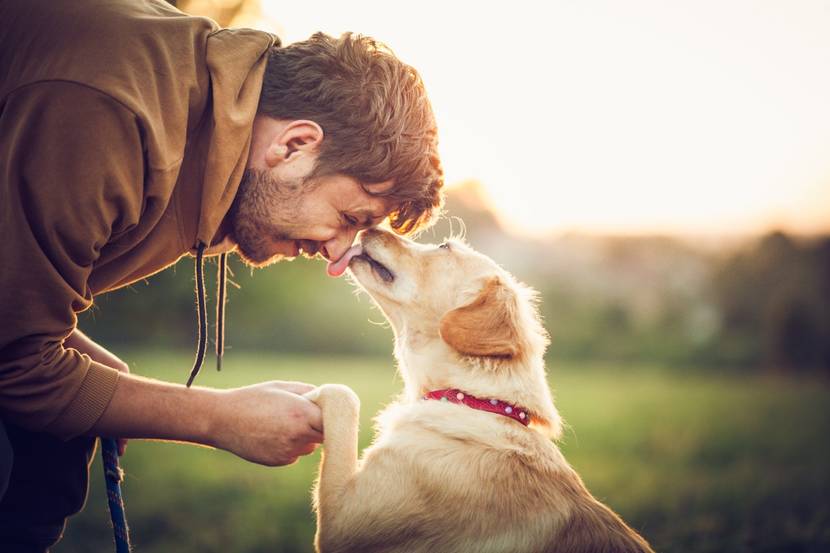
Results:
84 344
269 423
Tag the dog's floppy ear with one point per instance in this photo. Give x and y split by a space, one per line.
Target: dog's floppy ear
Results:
485 327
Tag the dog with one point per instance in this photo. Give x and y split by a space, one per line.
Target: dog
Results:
464 460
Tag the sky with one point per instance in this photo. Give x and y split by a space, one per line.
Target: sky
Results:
703 117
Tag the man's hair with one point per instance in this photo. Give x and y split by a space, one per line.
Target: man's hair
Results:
375 115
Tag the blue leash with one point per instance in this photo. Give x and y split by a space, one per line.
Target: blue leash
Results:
114 475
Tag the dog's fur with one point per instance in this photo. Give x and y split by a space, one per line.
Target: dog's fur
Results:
442 477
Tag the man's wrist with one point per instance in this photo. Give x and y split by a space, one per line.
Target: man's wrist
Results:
213 424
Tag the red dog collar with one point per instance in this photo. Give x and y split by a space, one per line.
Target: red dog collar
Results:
519 414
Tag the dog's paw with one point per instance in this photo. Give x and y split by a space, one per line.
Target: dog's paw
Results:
332 395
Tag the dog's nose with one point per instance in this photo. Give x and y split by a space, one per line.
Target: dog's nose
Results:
372 234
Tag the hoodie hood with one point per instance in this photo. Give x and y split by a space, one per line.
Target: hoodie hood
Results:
236 60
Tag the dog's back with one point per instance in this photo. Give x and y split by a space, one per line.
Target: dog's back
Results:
592 527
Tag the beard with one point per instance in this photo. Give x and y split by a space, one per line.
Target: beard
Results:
263 212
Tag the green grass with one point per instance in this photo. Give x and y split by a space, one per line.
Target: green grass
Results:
697 462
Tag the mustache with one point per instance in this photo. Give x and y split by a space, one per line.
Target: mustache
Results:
310 248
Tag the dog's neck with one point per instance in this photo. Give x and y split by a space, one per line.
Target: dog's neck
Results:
434 366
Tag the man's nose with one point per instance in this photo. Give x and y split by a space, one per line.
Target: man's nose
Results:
337 246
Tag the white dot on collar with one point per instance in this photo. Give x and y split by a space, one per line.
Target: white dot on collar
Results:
459 396
508 409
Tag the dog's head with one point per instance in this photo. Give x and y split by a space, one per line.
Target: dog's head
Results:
460 321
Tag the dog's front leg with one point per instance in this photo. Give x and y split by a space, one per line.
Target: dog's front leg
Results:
341 410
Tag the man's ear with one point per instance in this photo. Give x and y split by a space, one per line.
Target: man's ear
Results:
488 326
297 136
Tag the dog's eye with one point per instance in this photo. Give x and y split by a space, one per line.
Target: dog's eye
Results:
445 246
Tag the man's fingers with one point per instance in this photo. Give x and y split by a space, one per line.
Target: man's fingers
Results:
298 388
315 418
316 436
308 449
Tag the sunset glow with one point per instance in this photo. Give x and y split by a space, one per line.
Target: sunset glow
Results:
645 116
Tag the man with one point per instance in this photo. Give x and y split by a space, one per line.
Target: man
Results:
132 134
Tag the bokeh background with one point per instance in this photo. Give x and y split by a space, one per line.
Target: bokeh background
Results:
660 172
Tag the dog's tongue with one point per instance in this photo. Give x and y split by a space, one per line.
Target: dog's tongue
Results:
337 268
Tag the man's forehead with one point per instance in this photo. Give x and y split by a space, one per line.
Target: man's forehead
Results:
373 207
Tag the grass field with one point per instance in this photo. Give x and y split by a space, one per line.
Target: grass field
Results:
697 462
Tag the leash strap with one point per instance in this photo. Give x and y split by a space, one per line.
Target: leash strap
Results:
114 475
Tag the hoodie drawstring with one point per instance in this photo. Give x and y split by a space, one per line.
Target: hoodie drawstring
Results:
222 277
200 303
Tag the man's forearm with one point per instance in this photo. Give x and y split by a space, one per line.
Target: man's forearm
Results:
268 423
145 408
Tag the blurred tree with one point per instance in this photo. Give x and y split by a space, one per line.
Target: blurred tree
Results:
822 261
774 304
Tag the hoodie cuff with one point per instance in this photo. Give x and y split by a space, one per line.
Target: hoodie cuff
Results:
89 404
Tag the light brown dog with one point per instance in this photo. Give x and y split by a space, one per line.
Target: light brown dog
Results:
467 473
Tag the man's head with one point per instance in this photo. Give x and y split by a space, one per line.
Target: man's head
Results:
344 137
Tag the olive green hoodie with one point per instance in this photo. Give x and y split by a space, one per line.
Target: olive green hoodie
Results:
125 127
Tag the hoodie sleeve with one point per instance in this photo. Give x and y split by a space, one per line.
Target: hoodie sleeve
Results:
71 178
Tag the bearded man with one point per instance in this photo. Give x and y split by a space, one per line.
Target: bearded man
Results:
131 135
